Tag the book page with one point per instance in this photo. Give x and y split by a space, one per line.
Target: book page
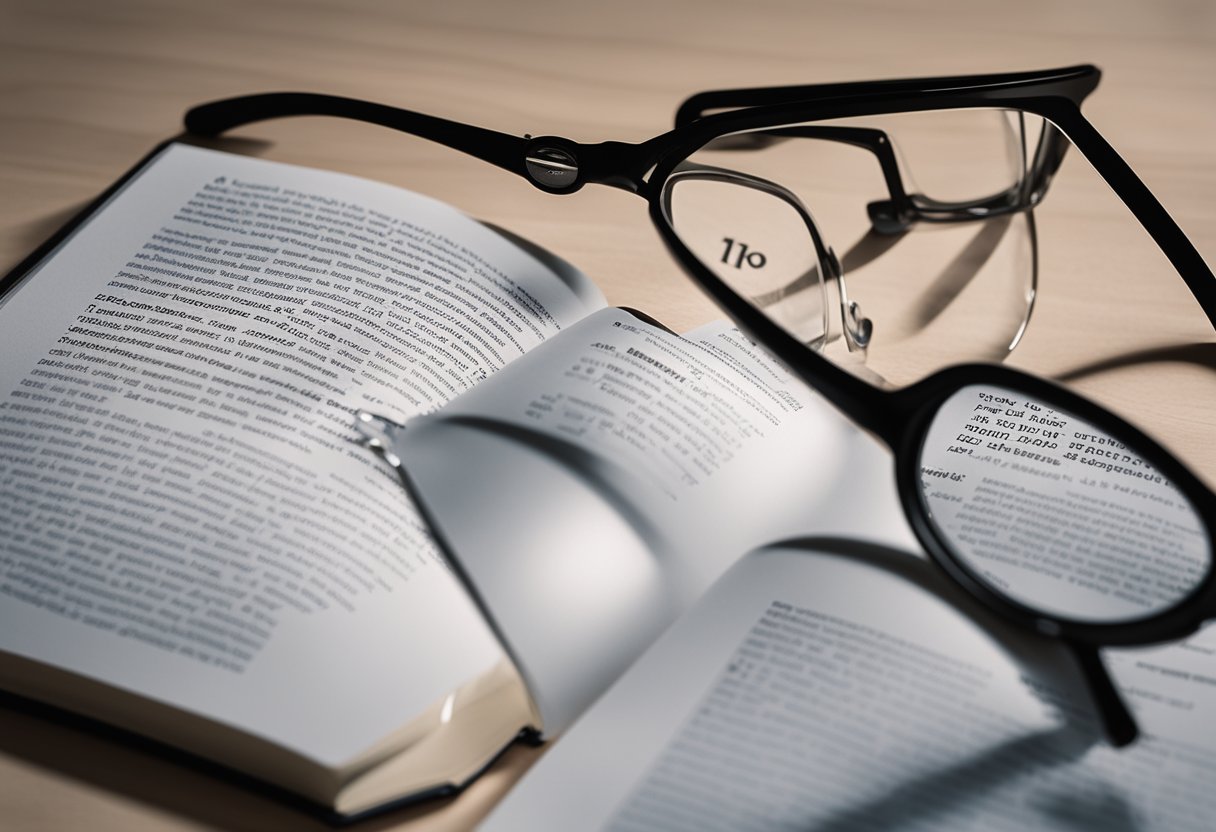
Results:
833 686
184 509
709 426
606 479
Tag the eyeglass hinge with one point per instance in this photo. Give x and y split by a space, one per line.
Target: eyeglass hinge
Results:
550 166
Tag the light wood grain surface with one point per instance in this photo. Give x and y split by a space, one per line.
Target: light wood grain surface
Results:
88 86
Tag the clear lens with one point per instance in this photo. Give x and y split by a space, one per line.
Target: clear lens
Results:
757 238
1055 513
914 295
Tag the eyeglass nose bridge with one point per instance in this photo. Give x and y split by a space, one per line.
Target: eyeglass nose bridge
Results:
557 165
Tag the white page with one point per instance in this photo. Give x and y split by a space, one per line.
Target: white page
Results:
822 692
185 512
729 450
594 489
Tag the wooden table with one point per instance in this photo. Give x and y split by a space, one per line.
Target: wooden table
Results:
86 87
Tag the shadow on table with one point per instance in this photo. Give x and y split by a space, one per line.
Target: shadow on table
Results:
1202 354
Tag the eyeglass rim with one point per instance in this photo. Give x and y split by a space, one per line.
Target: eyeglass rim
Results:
922 401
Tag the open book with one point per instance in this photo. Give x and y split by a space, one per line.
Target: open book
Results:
194 545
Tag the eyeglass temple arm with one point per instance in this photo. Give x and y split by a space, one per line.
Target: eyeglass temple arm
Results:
1074 83
500 149
617 164
1117 721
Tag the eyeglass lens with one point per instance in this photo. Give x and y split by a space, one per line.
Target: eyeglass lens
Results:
1055 513
907 208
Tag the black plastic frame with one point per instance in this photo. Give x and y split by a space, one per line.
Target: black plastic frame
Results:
562 166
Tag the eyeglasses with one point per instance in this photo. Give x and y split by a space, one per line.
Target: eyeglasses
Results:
892 226
1046 507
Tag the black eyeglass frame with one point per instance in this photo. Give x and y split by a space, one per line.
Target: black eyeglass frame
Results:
900 418
561 166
